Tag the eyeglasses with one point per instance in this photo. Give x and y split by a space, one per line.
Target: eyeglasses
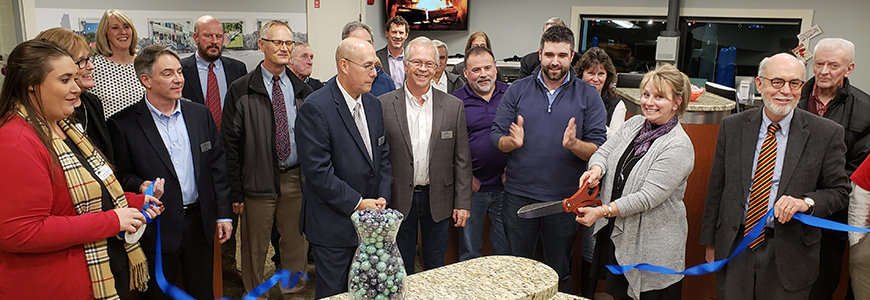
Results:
279 43
83 63
419 63
368 67
777 83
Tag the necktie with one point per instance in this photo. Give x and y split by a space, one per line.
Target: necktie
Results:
761 182
212 96
363 131
282 133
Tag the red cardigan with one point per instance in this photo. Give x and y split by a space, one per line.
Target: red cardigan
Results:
41 236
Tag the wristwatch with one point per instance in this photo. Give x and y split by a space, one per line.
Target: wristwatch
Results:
811 204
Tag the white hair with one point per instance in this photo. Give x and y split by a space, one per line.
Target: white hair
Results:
409 49
439 44
837 43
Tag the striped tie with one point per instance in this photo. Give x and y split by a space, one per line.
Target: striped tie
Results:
761 182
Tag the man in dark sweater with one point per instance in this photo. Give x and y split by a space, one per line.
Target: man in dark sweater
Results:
565 120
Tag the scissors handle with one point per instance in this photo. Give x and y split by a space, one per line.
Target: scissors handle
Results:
582 198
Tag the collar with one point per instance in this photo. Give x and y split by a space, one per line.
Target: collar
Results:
268 75
499 88
564 82
389 54
427 96
156 112
784 124
442 79
351 102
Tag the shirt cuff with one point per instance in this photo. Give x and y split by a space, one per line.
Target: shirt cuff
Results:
224 220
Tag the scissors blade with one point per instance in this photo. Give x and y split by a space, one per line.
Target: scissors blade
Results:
536 210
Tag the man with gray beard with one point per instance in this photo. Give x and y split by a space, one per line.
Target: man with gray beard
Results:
481 97
775 158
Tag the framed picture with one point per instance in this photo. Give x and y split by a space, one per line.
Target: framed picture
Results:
173 33
88 29
234 35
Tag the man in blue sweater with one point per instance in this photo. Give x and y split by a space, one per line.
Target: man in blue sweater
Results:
565 119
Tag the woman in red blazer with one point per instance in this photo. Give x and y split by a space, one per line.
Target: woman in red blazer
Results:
52 187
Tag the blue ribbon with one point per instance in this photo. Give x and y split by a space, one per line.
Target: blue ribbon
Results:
754 233
288 279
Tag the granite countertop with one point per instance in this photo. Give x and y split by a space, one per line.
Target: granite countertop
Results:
489 277
705 103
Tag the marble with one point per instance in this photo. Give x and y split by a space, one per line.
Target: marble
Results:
707 102
488 277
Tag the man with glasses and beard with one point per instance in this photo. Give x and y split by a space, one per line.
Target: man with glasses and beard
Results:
565 119
779 158
481 97
209 74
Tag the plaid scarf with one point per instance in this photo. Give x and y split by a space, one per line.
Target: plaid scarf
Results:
86 194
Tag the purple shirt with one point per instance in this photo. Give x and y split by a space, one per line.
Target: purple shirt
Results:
487 161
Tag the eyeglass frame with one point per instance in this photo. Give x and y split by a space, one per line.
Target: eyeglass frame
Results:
367 68
791 83
419 63
83 63
279 43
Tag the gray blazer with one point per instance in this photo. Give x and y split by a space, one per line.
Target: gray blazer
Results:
454 82
813 167
382 55
652 225
449 155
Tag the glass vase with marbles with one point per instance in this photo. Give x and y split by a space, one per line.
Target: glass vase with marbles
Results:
377 271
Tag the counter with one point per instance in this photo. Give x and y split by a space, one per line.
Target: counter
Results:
707 109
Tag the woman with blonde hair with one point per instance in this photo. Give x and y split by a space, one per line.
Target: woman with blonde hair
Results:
56 235
114 77
645 165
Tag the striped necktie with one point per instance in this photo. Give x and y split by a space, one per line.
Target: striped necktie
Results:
761 183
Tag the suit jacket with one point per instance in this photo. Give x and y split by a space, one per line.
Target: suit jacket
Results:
233 69
91 115
449 155
338 171
454 82
813 167
141 155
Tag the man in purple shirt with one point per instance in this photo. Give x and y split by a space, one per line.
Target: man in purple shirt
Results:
482 96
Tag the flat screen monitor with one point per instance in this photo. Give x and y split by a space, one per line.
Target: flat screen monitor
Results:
430 14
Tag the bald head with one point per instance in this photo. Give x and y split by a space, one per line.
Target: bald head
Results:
355 59
208 34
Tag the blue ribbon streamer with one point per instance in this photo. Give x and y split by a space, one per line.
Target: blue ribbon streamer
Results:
754 233
287 279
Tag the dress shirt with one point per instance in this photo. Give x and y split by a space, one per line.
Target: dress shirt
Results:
219 72
551 94
351 102
397 68
290 105
781 143
420 129
441 85
173 132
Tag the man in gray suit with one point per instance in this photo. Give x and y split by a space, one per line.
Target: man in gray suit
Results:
429 155
807 156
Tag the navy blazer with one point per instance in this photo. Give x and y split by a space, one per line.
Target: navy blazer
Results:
141 155
233 69
336 168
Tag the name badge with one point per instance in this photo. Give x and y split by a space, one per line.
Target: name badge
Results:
205 146
446 135
381 141
104 172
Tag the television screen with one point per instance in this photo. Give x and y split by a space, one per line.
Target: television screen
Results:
431 14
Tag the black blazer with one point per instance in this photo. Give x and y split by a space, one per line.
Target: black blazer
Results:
90 115
233 69
382 55
812 167
141 155
336 168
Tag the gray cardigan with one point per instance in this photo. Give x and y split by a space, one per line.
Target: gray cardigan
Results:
652 225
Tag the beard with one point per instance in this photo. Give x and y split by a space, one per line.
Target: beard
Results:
482 89
203 52
779 109
561 75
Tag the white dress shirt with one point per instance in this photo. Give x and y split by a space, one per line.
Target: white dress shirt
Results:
420 129
441 85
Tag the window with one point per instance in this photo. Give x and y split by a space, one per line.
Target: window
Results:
630 41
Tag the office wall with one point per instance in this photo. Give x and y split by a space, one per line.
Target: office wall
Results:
515 26
297 6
